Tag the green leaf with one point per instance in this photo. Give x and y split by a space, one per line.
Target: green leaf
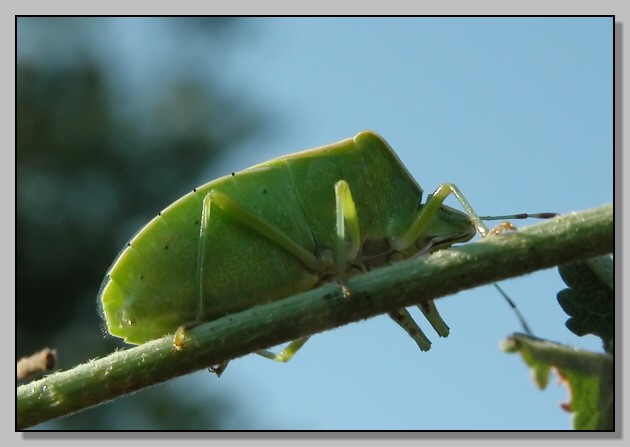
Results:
588 376
589 300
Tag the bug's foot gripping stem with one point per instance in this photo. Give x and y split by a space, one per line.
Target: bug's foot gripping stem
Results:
179 339
503 227
345 290
179 343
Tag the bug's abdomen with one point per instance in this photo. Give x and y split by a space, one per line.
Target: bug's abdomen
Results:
153 286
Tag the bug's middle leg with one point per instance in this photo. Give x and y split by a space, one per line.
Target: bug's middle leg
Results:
346 219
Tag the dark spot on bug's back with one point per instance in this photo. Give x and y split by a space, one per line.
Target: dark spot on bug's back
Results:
166 247
196 223
264 191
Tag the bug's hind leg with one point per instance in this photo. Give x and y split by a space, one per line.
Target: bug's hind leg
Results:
254 221
287 353
179 339
247 217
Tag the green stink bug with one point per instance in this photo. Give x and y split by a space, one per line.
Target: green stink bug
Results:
276 229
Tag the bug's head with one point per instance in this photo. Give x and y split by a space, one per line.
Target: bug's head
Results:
449 226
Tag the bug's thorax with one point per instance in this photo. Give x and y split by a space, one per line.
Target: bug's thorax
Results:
376 253
448 227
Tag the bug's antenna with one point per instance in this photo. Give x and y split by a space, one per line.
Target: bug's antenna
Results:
513 306
521 216
499 229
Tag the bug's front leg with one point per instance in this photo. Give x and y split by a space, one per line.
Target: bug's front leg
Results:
429 210
459 229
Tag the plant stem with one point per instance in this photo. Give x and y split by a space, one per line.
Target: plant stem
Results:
564 239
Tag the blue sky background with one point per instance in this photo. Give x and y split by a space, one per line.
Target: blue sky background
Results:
516 111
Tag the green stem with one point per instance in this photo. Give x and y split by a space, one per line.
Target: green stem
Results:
564 239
